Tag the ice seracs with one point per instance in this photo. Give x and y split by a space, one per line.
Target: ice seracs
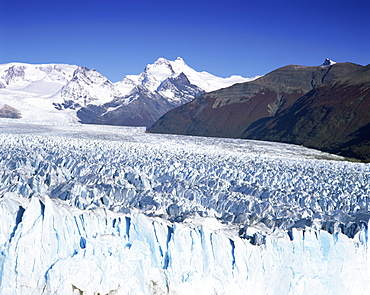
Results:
112 210
50 248
243 182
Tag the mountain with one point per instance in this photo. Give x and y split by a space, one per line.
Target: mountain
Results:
42 78
333 117
162 86
86 87
154 74
244 110
142 106
57 93
89 209
30 90
328 62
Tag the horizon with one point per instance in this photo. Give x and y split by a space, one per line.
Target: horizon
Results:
235 38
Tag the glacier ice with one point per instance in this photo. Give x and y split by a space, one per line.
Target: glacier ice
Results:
243 182
113 210
50 248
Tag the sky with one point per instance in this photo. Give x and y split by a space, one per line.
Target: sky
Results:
248 38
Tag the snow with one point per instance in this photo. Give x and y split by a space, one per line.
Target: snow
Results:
88 87
53 93
55 75
328 62
163 69
36 108
30 92
205 80
114 210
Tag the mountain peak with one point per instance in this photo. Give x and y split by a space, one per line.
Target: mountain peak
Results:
161 61
328 62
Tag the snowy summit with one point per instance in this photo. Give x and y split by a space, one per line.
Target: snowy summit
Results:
162 69
328 62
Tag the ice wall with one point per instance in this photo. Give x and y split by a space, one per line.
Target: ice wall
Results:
47 247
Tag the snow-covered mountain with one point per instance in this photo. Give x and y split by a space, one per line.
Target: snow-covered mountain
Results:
143 106
86 87
31 91
54 93
328 62
162 86
114 210
162 69
43 79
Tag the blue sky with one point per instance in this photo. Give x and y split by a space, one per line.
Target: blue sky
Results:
222 37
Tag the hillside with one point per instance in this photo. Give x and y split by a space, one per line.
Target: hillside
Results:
333 117
323 107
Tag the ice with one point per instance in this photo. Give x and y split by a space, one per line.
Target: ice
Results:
242 182
57 250
114 210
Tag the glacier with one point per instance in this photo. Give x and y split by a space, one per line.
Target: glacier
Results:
114 210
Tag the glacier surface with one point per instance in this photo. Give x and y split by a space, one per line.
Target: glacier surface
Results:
113 210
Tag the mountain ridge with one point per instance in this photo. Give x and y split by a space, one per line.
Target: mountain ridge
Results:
59 92
332 117
238 109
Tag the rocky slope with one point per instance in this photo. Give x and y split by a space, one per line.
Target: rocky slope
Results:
333 117
267 108
9 112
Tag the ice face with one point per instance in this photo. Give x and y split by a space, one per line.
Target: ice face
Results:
113 210
50 248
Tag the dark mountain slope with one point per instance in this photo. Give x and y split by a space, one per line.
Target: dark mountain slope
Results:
143 110
230 111
141 107
333 117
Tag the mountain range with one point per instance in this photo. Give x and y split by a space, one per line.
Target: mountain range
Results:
324 107
60 93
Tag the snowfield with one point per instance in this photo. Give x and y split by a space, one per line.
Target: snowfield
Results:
113 210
